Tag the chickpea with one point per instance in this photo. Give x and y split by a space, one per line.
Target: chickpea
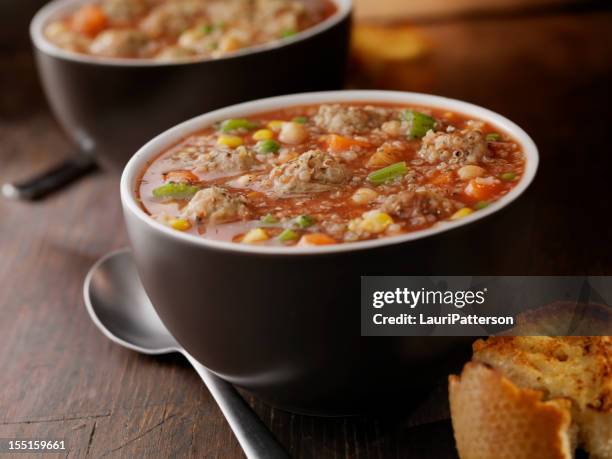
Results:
469 172
364 196
293 133
245 180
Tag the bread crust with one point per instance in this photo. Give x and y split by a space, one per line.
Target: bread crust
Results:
494 419
573 374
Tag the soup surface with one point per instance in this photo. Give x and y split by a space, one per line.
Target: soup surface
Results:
182 29
325 174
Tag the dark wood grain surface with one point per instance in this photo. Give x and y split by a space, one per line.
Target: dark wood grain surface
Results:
60 378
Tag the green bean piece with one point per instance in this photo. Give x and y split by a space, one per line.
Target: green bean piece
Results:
288 33
507 176
267 146
206 29
493 137
304 221
269 219
288 235
237 123
388 173
481 205
300 120
174 190
419 123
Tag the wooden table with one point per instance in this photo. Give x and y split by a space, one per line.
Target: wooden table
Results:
551 72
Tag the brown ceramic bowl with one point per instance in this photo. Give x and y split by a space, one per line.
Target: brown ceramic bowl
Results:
284 322
110 107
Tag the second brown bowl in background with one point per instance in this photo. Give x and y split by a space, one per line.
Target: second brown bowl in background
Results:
109 107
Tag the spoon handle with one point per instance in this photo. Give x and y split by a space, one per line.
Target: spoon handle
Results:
252 434
72 168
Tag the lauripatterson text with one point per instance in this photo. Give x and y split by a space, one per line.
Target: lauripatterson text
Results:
448 319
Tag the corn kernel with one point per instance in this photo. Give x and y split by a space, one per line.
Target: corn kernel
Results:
276 125
255 235
180 224
461 213
231 141
376 222
263 134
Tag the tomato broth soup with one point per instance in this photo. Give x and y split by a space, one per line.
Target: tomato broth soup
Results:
329 174
170 30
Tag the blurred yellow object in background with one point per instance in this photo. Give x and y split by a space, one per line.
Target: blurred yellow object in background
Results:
387 43
401 10
385 57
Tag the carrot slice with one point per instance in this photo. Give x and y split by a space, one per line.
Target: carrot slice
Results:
481 190
316 239
339 143
254 195
181 176
89 20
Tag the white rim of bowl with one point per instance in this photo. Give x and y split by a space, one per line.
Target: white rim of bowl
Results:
58 7
170 137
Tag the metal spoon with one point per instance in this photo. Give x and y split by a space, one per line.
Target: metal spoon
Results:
120 308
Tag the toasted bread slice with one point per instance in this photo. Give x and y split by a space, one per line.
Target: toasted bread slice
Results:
494 419
574 368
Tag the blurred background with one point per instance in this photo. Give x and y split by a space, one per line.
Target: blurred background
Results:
545 64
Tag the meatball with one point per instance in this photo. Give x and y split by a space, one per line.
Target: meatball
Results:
216 205
171 18
224 11
198 40
468 146
223 159
311 172
419 207
349 120
61 35
278 15
120 43
122 11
